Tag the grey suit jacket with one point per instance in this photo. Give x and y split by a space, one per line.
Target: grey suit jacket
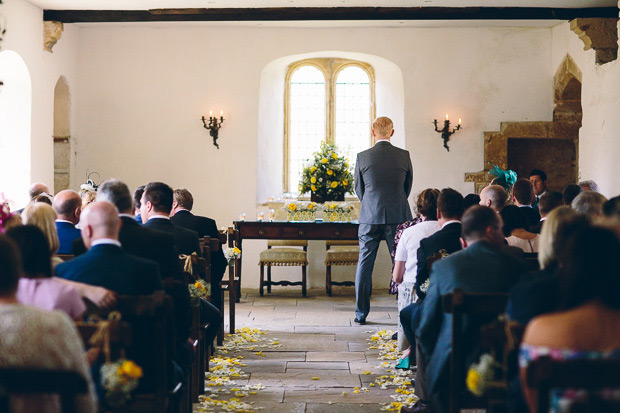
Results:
479 268
383 179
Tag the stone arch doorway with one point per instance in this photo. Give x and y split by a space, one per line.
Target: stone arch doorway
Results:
62 135
550 146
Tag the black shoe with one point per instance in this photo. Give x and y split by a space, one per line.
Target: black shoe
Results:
395 336
360 321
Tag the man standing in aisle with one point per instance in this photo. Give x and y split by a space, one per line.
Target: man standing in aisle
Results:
383 178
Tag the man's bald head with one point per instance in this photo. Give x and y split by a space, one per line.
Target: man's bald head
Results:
99 220
68 205
37 189
494 197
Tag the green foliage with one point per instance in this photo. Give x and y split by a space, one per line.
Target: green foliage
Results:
327 174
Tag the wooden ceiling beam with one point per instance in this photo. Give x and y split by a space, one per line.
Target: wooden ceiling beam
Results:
326 14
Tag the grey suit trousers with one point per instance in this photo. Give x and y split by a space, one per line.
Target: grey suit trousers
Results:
370 236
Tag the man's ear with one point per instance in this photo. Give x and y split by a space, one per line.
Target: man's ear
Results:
438 214
392 134
463 242
488 202
175 204
149 206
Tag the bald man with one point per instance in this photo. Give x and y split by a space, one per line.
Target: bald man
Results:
68 207
494 197
106 264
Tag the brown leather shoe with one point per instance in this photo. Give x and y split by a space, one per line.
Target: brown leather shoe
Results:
418 407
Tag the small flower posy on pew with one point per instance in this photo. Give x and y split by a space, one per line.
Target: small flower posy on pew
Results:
232 254
480 375
199 289
119 379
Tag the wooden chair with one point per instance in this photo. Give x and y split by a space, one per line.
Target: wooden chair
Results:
342 253
546 374
459 303
201 360
531 260
234 240
231 284
22 381
285 256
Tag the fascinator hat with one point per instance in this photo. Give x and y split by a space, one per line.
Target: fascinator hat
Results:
504 178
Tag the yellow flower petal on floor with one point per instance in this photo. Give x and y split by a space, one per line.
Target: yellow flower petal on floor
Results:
315 378
366 372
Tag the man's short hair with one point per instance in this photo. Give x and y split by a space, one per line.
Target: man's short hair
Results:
471 200
549 201
570 193
10 266
589 203
427 203
36 190
476 220
450 203
593 186
184 198
383 127
160 196
523 191
497 195
137 196
67 206
611 208
540 173
117 193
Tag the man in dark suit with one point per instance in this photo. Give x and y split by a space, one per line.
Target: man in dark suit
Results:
205 227
383 179
538 178
481 267
523 196
106 264
155 207
68 207
549 201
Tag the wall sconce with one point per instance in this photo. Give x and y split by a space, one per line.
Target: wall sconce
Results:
213 126
445 132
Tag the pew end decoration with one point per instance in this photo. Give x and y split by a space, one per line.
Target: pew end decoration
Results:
231 255
213 126
446 132
199 289
119 379
328 176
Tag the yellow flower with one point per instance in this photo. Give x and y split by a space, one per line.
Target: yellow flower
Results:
474 381
313 169
346 164
313 188
237 250
292 207
310 206
332 206
345 182
313 180
131 369
334 155
330 172
198 285
334 184
324 160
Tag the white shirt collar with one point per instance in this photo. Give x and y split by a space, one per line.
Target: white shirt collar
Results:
127 215
525 206
382 140
543 219
452 221
64 220
159 217
106 241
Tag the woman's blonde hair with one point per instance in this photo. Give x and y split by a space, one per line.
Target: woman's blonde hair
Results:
546 254
43 216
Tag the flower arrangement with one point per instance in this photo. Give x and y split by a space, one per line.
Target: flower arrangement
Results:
119 379
232 254
425 285
328 175
480 376
301 211
199 289
333 211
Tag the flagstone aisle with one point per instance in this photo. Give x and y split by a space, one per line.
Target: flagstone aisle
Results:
313 357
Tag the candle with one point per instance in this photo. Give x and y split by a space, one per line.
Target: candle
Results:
210 113
459 121
222 113
446 116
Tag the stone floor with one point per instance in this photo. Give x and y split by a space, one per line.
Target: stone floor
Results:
318 339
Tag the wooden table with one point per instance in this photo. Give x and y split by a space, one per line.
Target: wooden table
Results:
318 230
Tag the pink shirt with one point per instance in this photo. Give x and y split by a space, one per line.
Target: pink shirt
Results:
50 294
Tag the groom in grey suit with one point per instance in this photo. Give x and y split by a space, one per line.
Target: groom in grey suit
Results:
383 178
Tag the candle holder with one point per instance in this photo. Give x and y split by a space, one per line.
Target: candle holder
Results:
446 132
213 127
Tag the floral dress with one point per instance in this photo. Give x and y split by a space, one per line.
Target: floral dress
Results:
560 401
399 232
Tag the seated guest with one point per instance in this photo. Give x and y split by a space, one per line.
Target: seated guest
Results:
44 198
34 191
548 202
515 230
611 208
522 196
43 217
481 267
37 339
406 258
155 208
538 179
37 287
137 197
586 328
68 207
589 185
106 264
589 203
470 200
494 197
8 219
569 193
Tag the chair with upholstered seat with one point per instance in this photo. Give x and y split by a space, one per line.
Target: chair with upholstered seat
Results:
339 253
284 256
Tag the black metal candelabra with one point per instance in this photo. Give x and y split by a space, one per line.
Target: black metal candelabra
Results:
213 127
446 132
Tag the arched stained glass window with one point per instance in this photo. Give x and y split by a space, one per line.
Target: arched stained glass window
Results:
352 110
307 119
